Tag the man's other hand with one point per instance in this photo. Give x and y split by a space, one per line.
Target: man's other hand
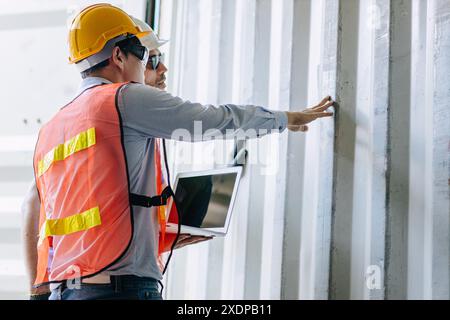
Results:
187 239
40 293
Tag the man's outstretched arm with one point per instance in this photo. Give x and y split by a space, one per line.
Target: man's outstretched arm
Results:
155 113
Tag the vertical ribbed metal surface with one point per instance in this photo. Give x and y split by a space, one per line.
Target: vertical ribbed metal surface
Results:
359 207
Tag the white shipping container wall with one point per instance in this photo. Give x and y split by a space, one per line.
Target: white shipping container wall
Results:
358 208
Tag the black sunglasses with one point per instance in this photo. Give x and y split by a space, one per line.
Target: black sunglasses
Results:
139 51
154 61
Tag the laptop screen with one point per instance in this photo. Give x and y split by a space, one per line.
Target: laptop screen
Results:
203 201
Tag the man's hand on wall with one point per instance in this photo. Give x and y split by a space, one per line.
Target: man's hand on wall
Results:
297 121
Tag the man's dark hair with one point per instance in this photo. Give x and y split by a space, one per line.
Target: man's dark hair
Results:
95 68
122 45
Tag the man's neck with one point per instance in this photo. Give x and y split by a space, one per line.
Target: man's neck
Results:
114 77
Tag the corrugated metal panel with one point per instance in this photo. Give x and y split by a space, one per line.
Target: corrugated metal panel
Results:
359 207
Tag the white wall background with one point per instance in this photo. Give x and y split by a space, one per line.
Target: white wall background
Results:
36 81
361 199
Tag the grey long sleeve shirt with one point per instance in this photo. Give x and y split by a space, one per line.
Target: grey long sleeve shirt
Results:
149 113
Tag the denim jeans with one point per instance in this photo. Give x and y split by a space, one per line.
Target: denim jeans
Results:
121 288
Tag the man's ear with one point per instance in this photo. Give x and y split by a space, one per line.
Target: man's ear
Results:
118 58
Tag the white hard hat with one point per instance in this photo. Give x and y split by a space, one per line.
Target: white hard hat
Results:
151 41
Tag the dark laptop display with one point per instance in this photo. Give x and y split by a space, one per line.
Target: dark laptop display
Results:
204 200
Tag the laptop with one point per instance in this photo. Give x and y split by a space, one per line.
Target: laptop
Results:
205 201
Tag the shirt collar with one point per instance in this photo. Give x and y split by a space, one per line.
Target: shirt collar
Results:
90 82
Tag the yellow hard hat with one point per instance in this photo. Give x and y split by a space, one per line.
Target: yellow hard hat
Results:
93 27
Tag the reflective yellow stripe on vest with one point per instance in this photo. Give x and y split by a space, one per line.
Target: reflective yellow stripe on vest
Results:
78 143
78 222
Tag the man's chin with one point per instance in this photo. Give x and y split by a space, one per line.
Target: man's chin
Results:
161 86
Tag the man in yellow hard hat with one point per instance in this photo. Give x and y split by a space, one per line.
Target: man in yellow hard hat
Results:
154 77
79 153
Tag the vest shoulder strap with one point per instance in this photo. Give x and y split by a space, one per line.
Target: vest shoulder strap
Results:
148 202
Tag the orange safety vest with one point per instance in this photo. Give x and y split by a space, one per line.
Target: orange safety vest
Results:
86 220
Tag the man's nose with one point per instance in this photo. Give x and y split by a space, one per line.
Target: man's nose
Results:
162 68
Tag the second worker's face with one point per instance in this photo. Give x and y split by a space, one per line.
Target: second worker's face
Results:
155 70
